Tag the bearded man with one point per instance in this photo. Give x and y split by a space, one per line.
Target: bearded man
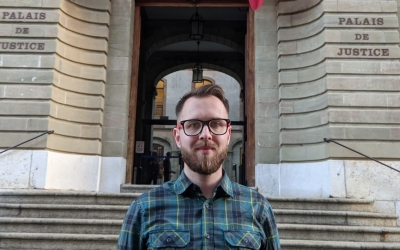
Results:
203 208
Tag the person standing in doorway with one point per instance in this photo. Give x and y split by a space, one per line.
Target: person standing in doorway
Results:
167 167
154 168
203 208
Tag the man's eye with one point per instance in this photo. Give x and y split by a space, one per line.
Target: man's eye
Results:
193 125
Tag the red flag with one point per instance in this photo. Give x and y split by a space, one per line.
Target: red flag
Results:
255 4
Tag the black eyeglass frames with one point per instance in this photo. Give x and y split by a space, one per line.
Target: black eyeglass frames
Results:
195 127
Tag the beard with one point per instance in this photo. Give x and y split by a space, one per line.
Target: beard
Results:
205 164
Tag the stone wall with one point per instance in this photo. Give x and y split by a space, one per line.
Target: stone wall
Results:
339 72
53 67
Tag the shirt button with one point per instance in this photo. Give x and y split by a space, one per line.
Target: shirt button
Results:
246 240
169 239
208 236
208 206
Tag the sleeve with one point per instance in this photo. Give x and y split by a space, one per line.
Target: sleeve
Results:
131 231
270 229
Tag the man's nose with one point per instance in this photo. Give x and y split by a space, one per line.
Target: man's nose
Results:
205 133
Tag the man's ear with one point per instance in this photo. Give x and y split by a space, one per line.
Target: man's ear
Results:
177 137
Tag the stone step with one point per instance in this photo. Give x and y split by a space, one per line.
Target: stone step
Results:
287 216
111 212
339 233
336 245
60 226
332 204
86 198
33 241
66 197
118 212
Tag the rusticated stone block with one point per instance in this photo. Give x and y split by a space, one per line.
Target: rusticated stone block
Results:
361 36
27 92
24 45
375 52
28 30
303 90
267 124
354 67
29 15
301 32
115 120
74 145
93 4
366 6
77 100
113 149
10 139
310 152
77 115
89 29
26 76
81 56
307 16
28 61
267 155
378 82
364 116
24 108
308 120
361 21
85 14
75 129
311 135
81 41
302 60
113 134
290 7
80 70
79 85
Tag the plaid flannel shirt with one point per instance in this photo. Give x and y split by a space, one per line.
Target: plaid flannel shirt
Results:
177 215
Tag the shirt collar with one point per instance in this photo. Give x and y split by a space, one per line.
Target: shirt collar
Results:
183 183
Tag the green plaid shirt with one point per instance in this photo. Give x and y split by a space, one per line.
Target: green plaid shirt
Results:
177 215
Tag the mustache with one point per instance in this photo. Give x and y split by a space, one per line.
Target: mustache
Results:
205 144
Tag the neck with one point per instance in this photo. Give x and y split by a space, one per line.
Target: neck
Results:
207 183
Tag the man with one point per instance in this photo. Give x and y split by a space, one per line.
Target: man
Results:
202 209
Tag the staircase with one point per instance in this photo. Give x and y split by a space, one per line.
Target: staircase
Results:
83 220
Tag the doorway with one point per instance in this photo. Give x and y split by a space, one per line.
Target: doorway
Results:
162 46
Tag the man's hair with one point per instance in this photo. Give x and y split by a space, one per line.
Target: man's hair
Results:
204 91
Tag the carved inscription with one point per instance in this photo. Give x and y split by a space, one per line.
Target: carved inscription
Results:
362 52
22 46
23 16
21 30
361 21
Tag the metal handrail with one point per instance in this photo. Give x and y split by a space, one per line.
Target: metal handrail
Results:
47 132
328 140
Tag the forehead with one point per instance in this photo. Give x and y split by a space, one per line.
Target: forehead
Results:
203 108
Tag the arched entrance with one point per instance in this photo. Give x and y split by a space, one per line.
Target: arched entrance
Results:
161 45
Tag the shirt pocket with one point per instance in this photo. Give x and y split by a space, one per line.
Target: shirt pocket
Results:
169 239
240 239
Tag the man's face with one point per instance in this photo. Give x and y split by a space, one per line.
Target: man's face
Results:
203 153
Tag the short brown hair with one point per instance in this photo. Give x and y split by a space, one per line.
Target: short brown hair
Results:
204 91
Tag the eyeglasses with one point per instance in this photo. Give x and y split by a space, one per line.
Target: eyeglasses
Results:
194 127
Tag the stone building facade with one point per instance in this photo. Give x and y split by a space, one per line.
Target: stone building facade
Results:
315 69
